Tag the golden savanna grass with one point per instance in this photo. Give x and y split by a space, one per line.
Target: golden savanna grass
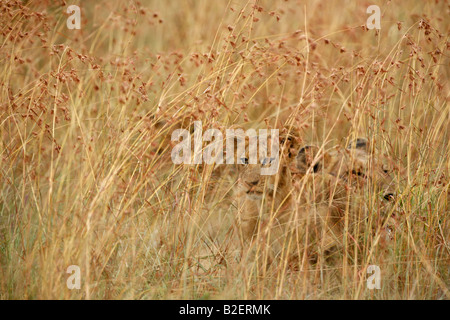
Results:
85 123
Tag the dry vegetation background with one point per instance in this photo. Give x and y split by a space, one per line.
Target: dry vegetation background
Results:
86 175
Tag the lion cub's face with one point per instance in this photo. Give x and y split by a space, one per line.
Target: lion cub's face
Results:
362 167
253 184
325 183
356 165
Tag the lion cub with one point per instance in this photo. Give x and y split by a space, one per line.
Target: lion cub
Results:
262 199
334 189
304 209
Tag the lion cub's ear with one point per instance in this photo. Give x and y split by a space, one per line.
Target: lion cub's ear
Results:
308 157
359 144
290 144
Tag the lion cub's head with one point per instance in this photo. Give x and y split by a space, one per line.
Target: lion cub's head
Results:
329 183
357 165
361 166
252 180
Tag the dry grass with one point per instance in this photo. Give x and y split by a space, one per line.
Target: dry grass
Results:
86 175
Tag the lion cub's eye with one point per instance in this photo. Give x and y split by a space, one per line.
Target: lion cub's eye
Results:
267 161
244 160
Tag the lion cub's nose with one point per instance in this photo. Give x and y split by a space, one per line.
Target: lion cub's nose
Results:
389 196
